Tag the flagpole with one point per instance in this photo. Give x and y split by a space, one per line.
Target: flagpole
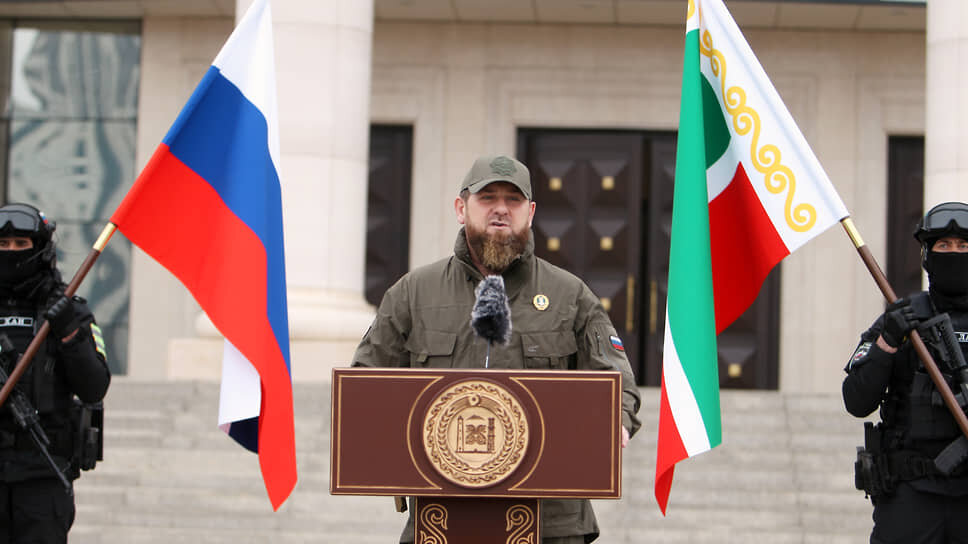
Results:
939 382
41 335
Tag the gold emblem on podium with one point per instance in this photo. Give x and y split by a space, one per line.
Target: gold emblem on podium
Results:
475 433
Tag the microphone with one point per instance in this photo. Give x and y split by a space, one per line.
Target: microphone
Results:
491 315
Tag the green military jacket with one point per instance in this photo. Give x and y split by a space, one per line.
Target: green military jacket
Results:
424 322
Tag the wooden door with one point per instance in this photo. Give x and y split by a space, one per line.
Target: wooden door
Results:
593 185
388 209
587 187
905 207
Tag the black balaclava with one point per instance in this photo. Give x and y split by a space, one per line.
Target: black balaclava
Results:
947 272
18 266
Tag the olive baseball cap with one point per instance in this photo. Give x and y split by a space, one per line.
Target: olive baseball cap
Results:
491 168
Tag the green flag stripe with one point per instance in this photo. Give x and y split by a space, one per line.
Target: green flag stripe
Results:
690 297
715 129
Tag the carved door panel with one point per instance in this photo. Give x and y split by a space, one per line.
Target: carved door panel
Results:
587 187
576 213
657 209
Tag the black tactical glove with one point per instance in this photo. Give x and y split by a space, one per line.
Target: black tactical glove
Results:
63 321
899 319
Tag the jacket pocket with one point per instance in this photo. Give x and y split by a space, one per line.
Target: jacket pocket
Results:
431 349
548 349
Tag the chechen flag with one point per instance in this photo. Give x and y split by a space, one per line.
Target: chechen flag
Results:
208 207
748 192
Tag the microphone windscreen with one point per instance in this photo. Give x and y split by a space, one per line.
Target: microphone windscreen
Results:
491 315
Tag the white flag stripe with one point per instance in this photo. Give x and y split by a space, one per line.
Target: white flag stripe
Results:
240 396
692 17
809 182
245 58
682 400
720 173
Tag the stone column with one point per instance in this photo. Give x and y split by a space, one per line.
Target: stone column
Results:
323 64
946 113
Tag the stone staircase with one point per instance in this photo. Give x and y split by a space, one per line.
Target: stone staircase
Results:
784 474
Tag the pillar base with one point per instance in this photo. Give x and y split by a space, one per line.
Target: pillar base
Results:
311 361
325 326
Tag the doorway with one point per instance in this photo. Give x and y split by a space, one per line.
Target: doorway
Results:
604 213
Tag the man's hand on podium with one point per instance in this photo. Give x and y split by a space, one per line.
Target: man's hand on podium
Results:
625 436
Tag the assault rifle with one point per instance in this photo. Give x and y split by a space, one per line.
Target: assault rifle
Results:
939 335
24 413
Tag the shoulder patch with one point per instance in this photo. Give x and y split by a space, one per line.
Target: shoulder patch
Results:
98 340
616 342
859 353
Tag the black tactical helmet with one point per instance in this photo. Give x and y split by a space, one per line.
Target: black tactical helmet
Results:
18 219
947 219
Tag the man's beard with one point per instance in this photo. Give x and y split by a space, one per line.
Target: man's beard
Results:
496 251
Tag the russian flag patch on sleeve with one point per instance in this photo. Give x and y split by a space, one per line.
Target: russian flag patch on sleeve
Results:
616 342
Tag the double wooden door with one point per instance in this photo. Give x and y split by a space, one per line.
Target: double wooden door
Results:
604 211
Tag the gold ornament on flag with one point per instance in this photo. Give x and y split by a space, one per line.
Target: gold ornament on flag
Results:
766 159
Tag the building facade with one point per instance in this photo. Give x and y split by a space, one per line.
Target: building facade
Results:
401 96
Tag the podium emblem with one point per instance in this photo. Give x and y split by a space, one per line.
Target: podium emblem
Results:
475 433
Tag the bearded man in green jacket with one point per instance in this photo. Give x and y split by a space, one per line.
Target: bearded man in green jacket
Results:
557 322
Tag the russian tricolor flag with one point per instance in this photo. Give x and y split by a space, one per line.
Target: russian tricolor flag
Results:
208 207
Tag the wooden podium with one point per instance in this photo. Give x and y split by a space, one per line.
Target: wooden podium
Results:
477 448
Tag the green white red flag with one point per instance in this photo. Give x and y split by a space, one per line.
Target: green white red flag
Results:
748 192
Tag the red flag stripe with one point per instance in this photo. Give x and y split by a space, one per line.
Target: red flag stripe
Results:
670 451
183 224
745 247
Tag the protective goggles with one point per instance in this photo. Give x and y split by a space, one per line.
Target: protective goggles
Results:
951 216
20 218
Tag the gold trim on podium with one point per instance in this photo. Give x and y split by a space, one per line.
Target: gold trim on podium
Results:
433 518
521 524
451 520
337 426
614 441
410 445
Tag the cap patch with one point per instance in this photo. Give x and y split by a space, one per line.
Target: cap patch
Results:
616 343
503 166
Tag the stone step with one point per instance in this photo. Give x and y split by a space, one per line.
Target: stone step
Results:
783 474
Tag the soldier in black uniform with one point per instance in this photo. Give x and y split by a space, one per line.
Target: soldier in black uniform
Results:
917 483
37 504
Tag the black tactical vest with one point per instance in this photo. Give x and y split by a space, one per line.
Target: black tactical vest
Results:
914 411
44 386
